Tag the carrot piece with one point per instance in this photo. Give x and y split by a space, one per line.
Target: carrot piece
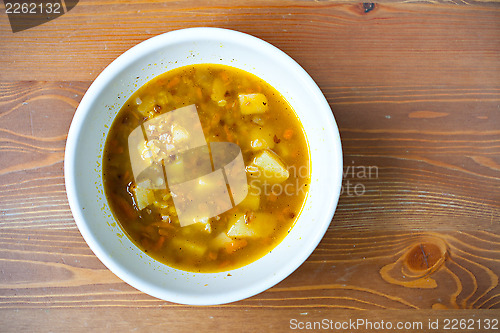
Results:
235 245
266 241
288 134
224 76
166 232
125 207
159 243
146 243
172 83
215 119
224 263
212 255
198 93
228 133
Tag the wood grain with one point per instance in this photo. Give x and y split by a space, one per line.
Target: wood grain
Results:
415 90
46 268
412 177
337 43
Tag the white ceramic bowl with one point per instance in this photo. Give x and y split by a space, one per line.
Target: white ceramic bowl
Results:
99 106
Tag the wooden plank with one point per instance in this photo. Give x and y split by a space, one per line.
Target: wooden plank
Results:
211 319
51 269
415 90
338 43
39 241
427 164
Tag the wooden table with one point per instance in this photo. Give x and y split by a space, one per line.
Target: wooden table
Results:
415 89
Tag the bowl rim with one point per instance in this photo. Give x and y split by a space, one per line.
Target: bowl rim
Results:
107 76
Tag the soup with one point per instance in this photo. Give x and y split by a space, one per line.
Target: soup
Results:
206 168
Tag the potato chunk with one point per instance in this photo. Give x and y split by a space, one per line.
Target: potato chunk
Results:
144 195
272 168
263 224
146 105
251 201
251 225
261 138
218 92
221 240
253 103
238 227
189 247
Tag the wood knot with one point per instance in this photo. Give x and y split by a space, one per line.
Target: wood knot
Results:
424 256
363 8
418 261
368 7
